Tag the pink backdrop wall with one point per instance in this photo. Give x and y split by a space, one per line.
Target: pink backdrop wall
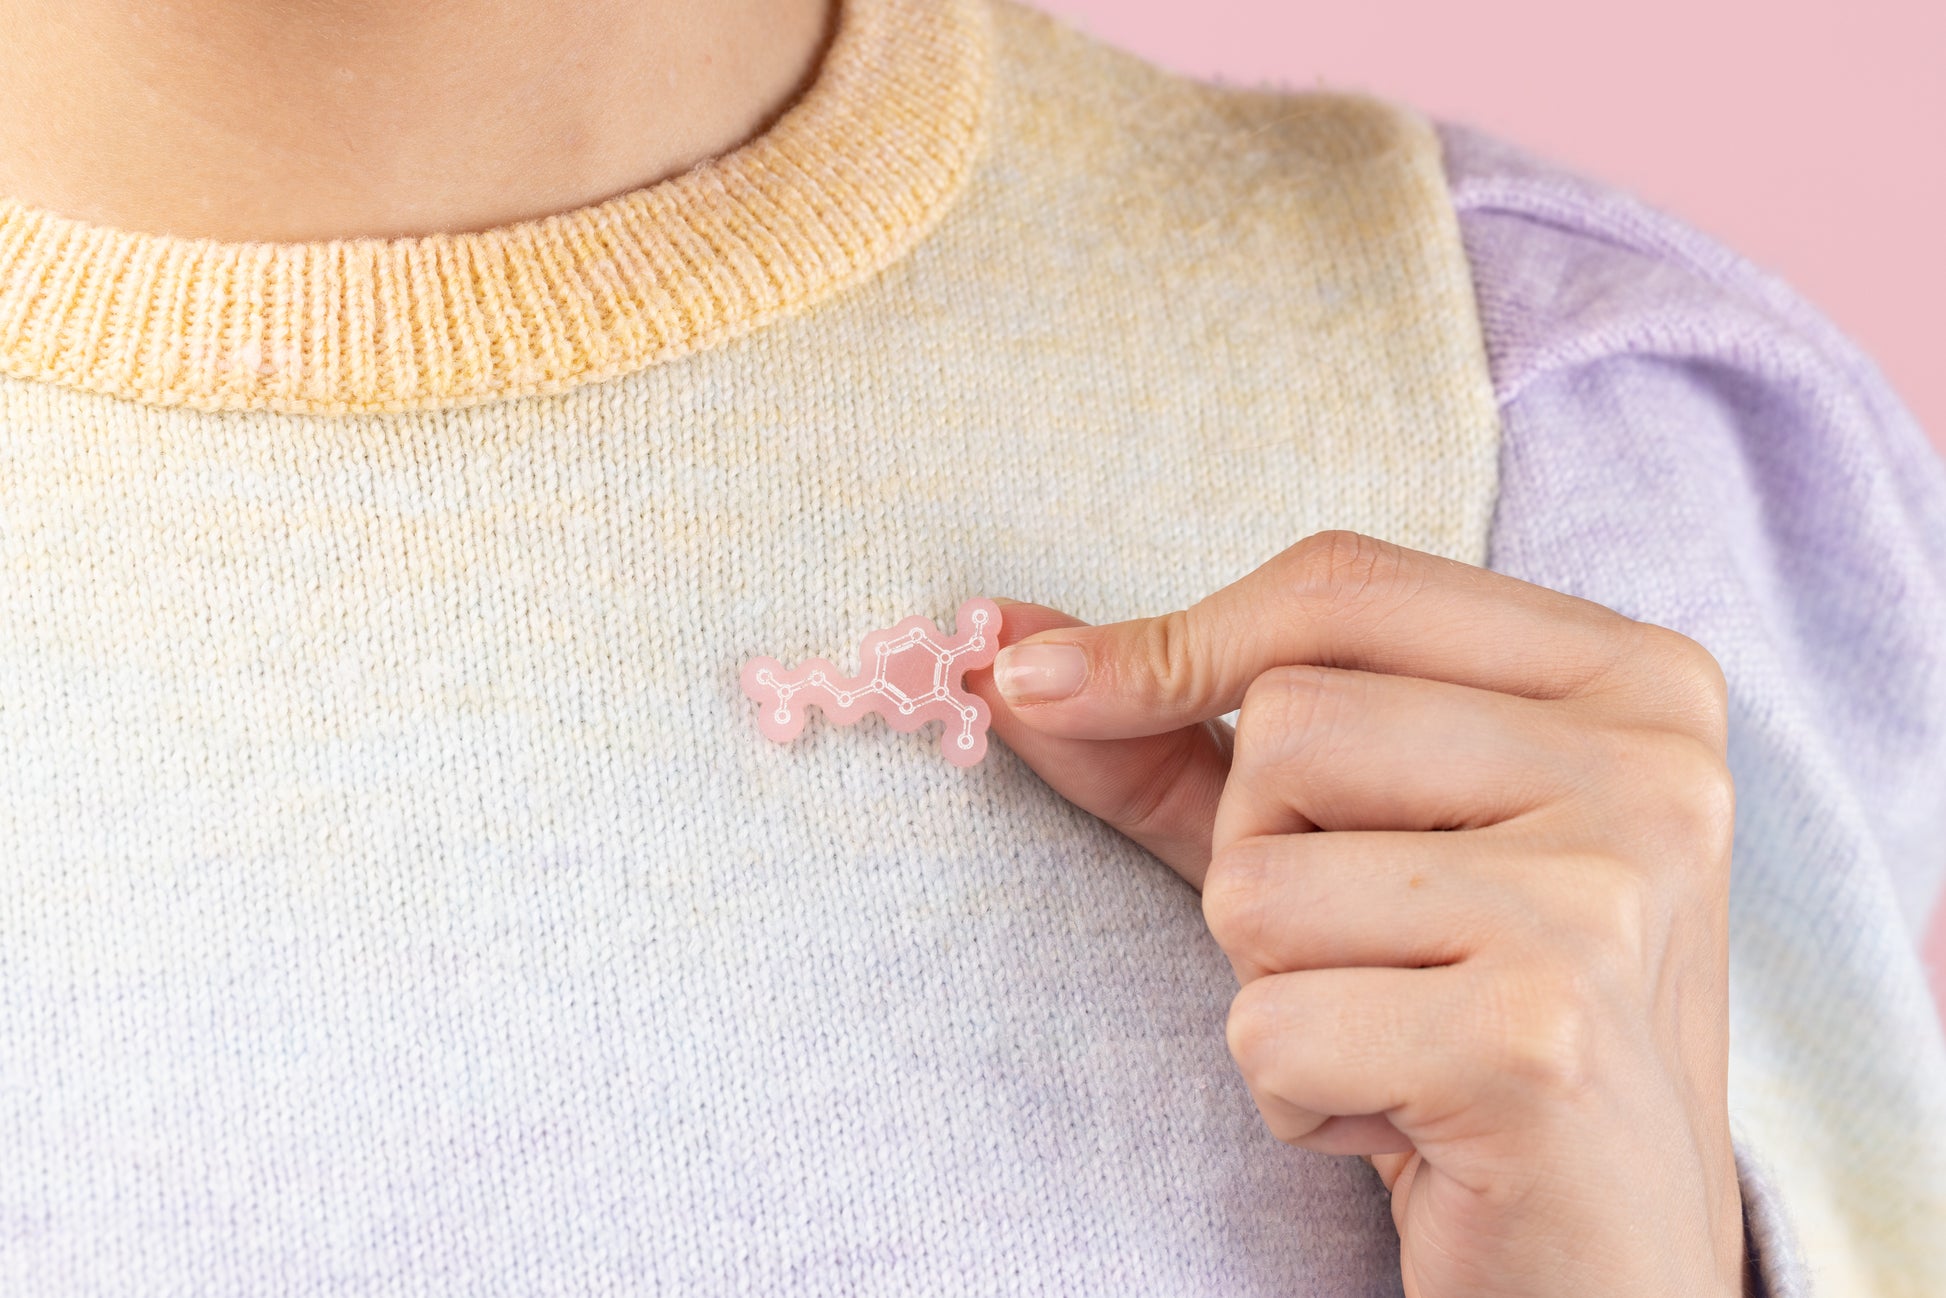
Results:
1809 136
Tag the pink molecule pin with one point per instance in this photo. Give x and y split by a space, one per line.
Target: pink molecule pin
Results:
909 674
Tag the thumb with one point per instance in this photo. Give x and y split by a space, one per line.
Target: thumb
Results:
1160 790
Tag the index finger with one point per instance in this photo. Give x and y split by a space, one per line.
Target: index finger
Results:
1335 599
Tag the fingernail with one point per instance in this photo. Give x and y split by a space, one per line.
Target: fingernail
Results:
1039 673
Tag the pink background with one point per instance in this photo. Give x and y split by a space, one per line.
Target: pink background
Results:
1809 136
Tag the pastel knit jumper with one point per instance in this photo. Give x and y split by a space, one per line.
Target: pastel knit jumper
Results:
397 895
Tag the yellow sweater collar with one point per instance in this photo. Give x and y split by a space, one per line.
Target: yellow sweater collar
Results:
842 184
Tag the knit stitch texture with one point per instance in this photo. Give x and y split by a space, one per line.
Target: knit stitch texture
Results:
400 898
1687 440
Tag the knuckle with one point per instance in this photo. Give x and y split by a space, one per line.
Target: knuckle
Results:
1168 650
1698 691
1697 811
1710 682
1341 567
1666 801
1609 914
1546 1033
1251 1030
1281 1124
1233 895
1294 713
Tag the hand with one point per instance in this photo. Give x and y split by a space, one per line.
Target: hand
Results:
1522 1022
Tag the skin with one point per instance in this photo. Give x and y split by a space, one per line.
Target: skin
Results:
1468 851
315 119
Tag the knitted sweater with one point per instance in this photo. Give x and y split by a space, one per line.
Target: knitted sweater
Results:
399 897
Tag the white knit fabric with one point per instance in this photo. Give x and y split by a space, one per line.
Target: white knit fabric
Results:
399 898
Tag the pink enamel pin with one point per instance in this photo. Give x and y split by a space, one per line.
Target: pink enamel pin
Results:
909 674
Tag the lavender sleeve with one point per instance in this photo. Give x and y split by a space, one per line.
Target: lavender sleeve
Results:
1686 440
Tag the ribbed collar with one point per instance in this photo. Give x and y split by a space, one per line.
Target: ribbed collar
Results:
840 185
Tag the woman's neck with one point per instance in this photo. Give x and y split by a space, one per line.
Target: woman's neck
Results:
319 119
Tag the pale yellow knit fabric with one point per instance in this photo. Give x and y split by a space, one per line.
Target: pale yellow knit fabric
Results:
398 894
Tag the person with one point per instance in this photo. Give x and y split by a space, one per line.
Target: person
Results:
1471 695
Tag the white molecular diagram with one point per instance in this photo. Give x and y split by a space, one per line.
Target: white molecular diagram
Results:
846 692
